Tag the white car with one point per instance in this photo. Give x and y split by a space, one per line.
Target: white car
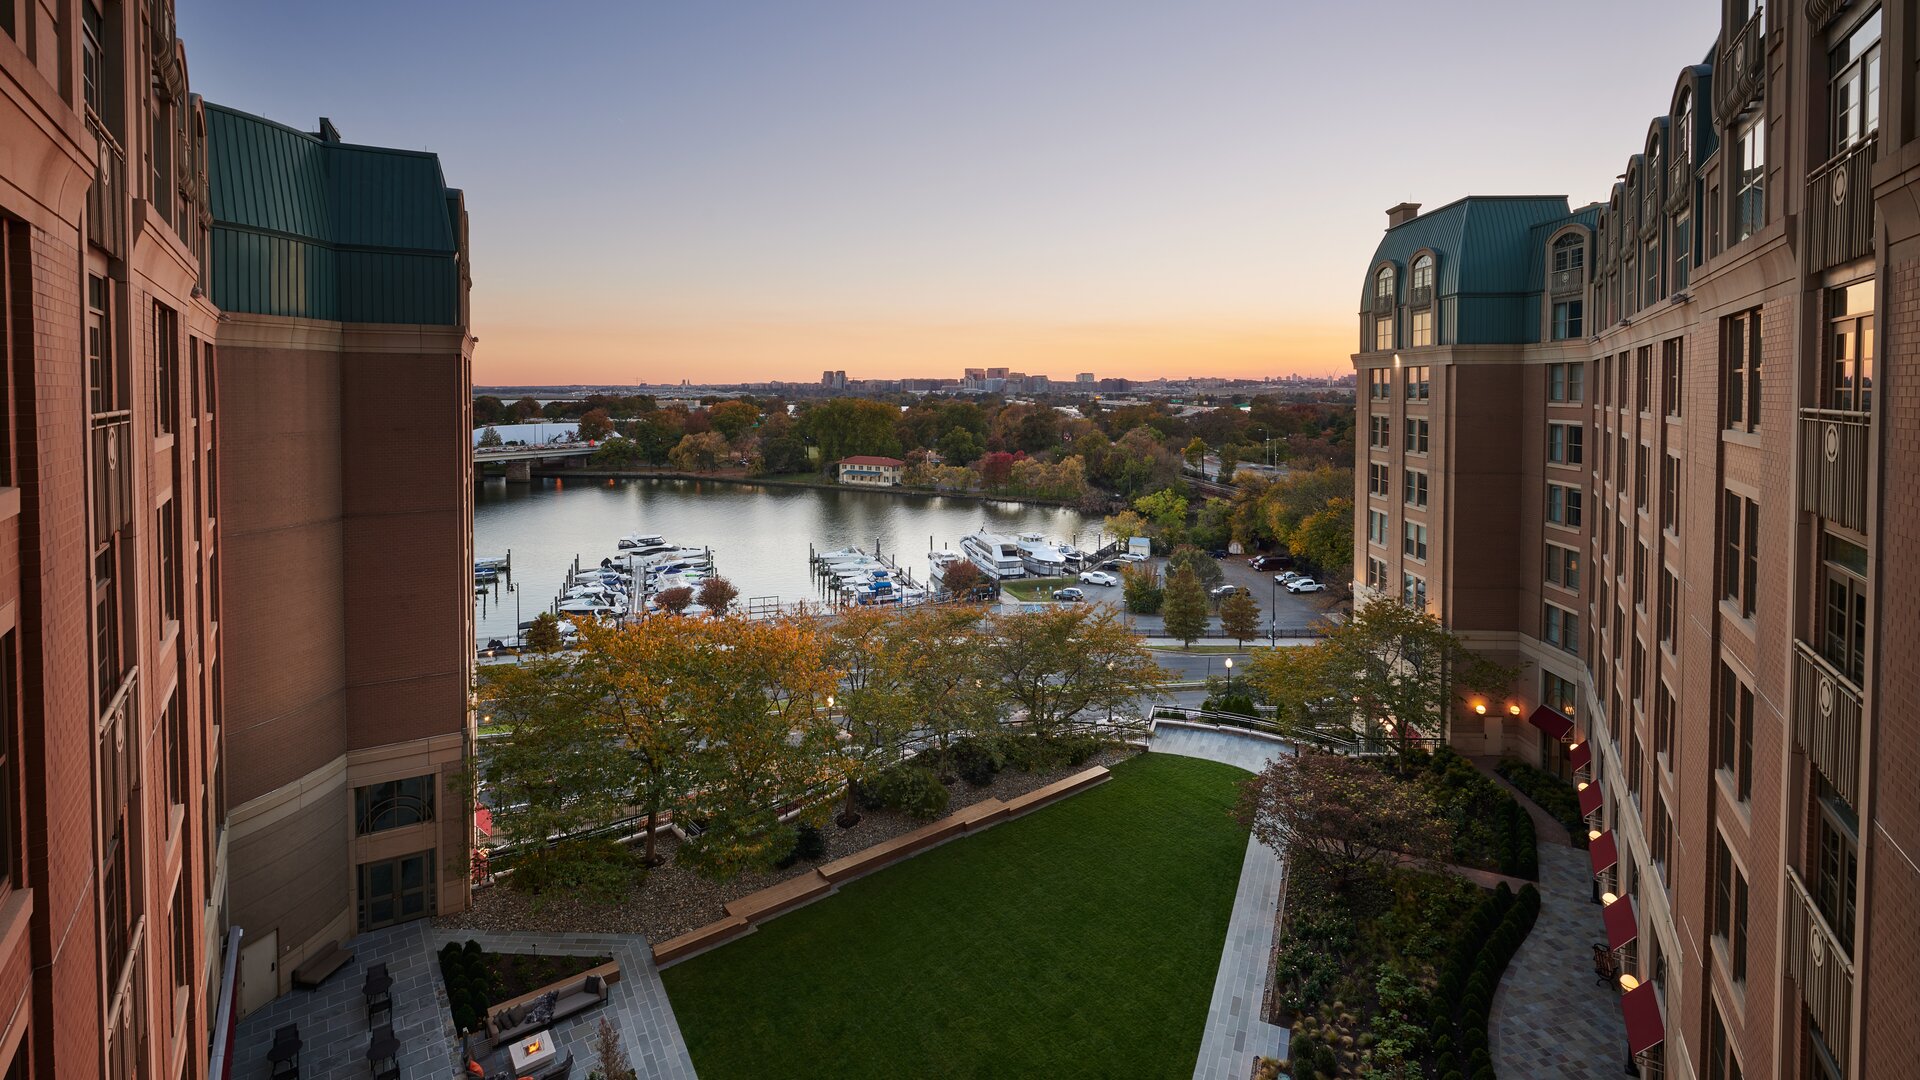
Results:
1098 577
1288 577
1134 557
1304 585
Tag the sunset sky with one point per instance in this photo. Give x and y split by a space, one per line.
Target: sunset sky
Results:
729 190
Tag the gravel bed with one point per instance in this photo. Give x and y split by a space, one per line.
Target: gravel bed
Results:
673 900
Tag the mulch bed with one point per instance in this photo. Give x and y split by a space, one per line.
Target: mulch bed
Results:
674 900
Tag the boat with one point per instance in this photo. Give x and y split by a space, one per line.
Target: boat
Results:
638 541
1041 556
997 556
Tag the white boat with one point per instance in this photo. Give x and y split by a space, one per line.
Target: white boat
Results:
1040 556
589 607
997 556
638 541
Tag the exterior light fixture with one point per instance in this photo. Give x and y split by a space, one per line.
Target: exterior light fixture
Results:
1481 708
1628 982
1608 898
1513 710
829 701
1581 786
1573 744
1593 834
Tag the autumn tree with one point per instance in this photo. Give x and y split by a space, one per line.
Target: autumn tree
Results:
845 427
1140 589
490 437
1204 566
1166 509
1057 665
702 452
543 635
1126 525
1390 668
961 577
675 600
753 695
596 425
622 681
524 409
717 595
1343 815
1185 607
1240 617
731 418
1325 537
995 469
1196 452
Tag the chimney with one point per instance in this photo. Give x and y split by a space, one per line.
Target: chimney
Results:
1400 215
327 132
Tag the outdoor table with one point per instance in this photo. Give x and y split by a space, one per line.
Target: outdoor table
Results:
383 1047
284 1055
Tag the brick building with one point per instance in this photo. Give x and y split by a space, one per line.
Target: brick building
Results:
124 615
1576 457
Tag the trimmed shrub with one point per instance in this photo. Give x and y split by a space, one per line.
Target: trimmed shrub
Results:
1324 1060
472 948
913 790
977 761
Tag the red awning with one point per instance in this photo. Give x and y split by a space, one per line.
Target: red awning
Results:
1589 799
1580 756
1645 1029
1622 927
483 821
1603 852
1551 721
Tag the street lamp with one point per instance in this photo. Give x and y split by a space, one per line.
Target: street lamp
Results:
1273 613
1229 674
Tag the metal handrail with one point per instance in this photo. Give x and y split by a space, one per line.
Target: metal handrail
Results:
1821 967
1740 74
1826 719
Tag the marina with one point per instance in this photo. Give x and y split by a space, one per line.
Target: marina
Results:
610 547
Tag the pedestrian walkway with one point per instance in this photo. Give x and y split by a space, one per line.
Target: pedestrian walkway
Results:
1546 827
1550 1016
1236 1033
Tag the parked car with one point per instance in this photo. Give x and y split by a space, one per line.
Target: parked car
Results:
1069 595
1110 564
1221 592
1304 585
1219 553
1271 562
1291 575
1134 557
1098 577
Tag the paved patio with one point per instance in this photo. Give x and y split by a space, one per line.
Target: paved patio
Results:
333 1019
1550 1016
1235 1033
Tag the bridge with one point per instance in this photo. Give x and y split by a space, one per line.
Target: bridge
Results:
519 459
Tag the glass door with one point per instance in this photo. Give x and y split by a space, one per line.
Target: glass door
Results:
396 890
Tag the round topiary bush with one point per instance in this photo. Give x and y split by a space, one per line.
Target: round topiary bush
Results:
1324 1060
977 761
913 790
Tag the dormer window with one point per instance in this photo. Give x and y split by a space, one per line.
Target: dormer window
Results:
1650 195
1421 282
1569 264
1383 289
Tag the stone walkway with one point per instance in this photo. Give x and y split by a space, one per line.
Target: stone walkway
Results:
1550 1017
334 1029
1235 1033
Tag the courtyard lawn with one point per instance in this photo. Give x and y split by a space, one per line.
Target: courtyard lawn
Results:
1036 590
1081 940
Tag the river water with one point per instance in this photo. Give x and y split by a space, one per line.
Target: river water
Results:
759 535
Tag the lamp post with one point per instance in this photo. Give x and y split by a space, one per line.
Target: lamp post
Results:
1273 613
1229 675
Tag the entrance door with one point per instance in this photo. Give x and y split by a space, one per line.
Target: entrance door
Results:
259 971
396 890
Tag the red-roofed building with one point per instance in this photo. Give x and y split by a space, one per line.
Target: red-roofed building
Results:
871 471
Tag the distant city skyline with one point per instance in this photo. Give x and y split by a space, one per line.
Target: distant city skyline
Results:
762 191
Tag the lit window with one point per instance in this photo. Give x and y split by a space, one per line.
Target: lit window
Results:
1422 328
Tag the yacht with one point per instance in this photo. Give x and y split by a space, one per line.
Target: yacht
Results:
997 556
1041 556
638 542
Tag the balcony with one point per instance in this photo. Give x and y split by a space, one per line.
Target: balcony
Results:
1383 303
107 198
1821 12
1820 967
1567 282
1741 72
1826 720
1840 207
1420 296
1833 466
1679 184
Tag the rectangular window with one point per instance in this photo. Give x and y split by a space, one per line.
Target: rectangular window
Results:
1383 334
1566 444
1559 693
1663 709
1638 672
1681 243
1849 346
1414 543
1721 1062
1378 430
1422 328
1620 458
1853 86
1740 560
1740 369
1418 388
1671 356
1569 320
1730 909
1640 574
1379 382
1416 435
9 788
1669 609
1376 574
1565 382
395 804
1377 527
1643 378
180 933
1640 478
1670 494
1650 266
1836 864
1733 737
166 368
1662 836
1563 505
1413 590
119 764
1843 612
1606 381
1562 628
1416 489
1563 567
169 549
1377 479
176 751
1750 179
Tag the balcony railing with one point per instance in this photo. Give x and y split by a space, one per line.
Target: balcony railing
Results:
1679 184
1833 466
1820 967
1383 303
107 198
1420 296
1567 282
1741 72
1840 207
1821 12
1826 720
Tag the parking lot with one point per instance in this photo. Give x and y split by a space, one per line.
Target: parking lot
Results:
1294 612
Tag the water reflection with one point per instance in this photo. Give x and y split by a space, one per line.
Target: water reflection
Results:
759 534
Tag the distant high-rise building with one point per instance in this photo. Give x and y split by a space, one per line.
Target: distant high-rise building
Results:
833 380
1085 378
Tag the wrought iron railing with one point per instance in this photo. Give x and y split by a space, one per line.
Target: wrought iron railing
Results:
1840 206
1679 184
1826 719
1833 465
1741 72
1820 966
1568 282
1821 12
1420 296
1383 303
106 199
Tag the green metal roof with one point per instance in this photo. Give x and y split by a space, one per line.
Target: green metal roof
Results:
1482 249
305 225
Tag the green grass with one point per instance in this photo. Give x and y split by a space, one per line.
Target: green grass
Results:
1036 589
1081 940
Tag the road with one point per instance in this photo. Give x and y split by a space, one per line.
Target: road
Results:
1278 607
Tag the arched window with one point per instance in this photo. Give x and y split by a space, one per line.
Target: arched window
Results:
1650 190
1569 253
1567 287
1683 129
1383 287
1422 276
